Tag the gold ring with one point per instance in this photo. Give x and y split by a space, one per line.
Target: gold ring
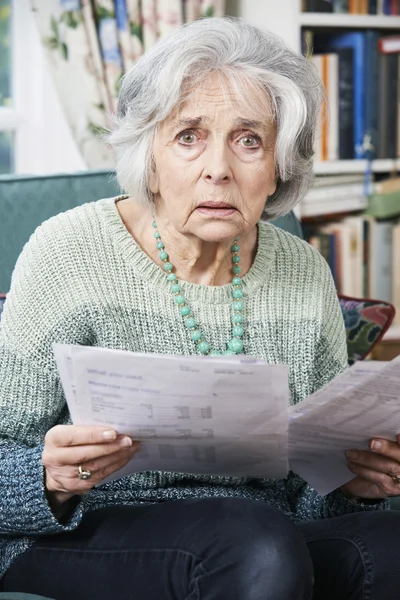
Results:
396 478
87 474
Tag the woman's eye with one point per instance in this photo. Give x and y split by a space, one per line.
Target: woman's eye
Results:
187 138
250 141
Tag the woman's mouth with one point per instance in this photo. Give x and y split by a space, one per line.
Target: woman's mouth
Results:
216 209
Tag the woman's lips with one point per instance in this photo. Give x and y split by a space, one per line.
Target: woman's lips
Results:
216 209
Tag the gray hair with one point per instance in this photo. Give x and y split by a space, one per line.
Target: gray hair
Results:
157 83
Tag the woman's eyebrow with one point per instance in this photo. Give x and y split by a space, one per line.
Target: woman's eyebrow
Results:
249 124
188 122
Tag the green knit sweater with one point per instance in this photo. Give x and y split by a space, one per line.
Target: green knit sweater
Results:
82 279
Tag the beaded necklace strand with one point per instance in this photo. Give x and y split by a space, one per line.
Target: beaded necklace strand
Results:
235 344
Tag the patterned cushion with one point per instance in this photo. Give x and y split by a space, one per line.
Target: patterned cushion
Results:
366 322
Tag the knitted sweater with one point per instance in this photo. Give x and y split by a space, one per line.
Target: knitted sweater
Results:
82 279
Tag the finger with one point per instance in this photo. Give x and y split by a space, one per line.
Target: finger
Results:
384 482
386 447
79 435
103 470
374 461
76 455
66 479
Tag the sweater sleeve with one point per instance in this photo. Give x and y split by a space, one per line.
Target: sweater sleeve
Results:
330 360
31 396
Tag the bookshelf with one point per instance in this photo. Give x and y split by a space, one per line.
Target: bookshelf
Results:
288 21
330 20
337 167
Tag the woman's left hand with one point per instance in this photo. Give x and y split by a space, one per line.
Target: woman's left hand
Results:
375 470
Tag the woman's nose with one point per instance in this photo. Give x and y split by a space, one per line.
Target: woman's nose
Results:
217 167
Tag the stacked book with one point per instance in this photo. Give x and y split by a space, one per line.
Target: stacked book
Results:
335 194
353 7
363 251
360 71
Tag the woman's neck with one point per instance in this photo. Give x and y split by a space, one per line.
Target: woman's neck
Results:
194 260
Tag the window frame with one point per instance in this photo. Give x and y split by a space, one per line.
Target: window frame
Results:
43 142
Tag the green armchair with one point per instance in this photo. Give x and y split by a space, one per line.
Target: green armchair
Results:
25 202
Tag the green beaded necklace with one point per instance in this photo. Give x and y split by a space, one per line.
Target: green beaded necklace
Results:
235 345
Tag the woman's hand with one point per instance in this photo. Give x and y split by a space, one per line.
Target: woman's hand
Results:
96 449
373 469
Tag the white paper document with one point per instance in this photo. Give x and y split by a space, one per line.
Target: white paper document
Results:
230 415
362 403
202 415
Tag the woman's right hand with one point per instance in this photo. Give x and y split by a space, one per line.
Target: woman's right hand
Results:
95 448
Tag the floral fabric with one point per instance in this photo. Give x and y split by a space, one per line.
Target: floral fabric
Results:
91 43
366 322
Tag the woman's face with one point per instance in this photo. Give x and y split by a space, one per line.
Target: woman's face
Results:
214 163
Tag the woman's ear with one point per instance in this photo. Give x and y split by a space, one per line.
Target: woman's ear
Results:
153 179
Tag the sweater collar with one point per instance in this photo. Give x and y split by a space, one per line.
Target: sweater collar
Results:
145 268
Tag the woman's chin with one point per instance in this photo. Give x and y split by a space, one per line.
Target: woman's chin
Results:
214 231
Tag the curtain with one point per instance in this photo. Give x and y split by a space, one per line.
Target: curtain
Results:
91 43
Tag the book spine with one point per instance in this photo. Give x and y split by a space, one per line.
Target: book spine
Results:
317 61
333 99
371 59
381 261
386 7
391 117
346 103
325 246
365 257
382 106
363 7
325 119
326 6
398 105
359 104
333 257
372 7
340 6
396 271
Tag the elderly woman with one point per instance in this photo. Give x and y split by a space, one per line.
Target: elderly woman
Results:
211 122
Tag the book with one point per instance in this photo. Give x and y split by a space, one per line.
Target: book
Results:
383 84
380 260
346 103
330 113
316 59
329 180
356 41
333 199
386 7
340 6
372 7
396 271
384 206
392 184
389 44
388 99
392 105
371 93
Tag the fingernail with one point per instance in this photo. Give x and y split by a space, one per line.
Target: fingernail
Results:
125 441
376 445
109 434
352 454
